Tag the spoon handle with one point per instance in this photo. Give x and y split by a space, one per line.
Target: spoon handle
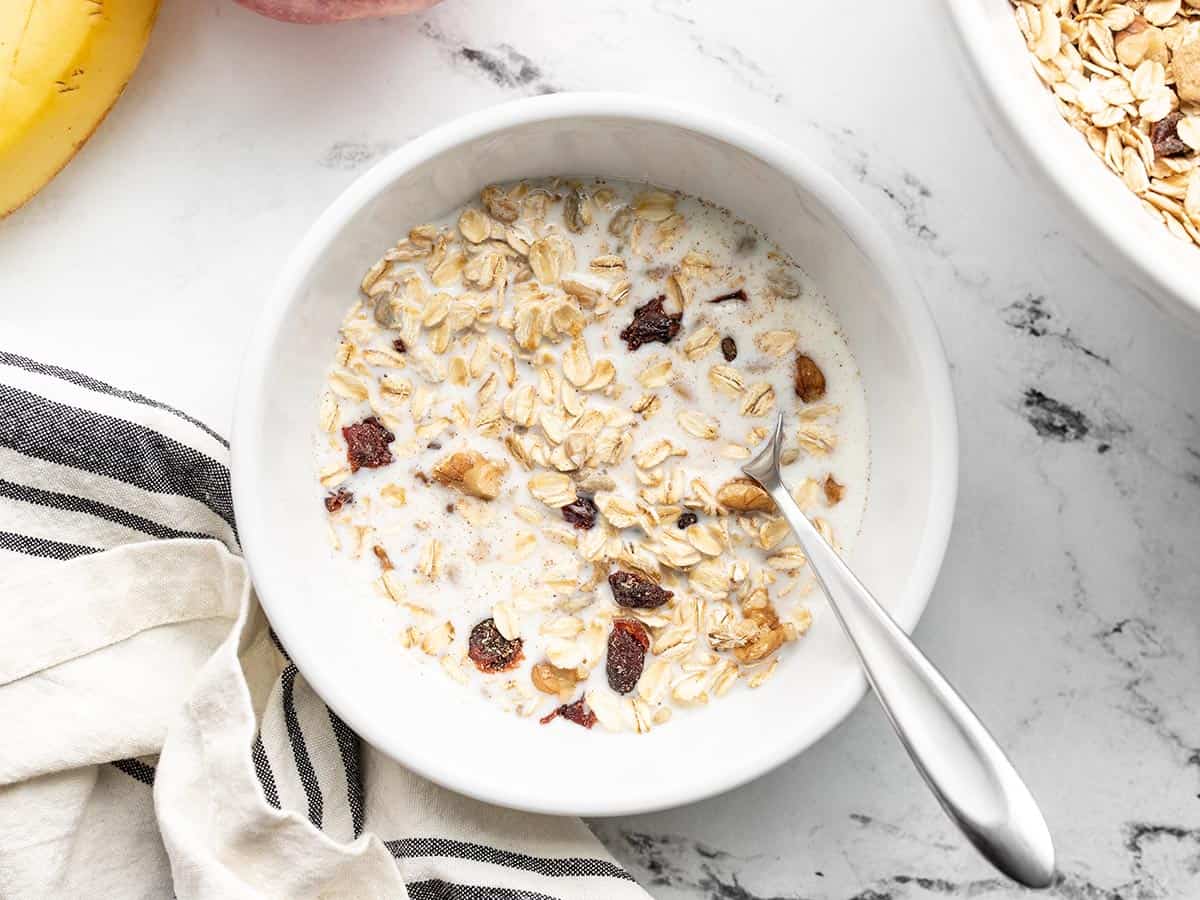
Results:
959 760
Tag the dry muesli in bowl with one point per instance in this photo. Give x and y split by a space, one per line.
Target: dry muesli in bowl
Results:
1102 98
509 428
529 440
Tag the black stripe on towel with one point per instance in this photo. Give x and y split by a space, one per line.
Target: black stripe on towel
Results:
304 766
567 867
93 384
72 503
136 769
262 767
33 546
115 448
348 747
436 889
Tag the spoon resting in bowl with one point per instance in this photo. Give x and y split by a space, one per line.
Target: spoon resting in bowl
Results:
960 761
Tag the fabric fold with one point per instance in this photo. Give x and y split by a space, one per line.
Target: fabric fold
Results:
132 630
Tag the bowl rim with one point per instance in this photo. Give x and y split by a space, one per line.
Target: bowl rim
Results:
933 370
1172 284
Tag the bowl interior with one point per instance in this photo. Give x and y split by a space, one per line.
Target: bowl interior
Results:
1123 236
345 640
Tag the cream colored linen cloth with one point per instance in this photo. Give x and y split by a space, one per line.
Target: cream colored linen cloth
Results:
154 739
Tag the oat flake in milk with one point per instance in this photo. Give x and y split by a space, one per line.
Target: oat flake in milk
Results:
529 448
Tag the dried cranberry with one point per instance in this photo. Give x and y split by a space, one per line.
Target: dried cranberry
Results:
581 513
687 520
637 591
627 647
1164 136
650 323
399 346
576 712
729 349
337 499
490 650
739 294
367 444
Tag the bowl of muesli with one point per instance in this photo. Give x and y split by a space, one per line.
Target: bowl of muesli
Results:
487 446
1101 101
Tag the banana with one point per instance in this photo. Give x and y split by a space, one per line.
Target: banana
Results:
63 63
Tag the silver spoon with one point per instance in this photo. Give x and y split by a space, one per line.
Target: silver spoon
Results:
962 764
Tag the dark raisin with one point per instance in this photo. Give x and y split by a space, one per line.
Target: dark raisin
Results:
687 520
627 647
434 445
581 513
637 591
367 444
739 294
1164 136
576 712
650 323
399 345
490 650
809 380
337 499
729 349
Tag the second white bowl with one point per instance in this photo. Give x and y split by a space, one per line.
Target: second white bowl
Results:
1111 223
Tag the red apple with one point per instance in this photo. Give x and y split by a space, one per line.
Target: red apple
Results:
315 12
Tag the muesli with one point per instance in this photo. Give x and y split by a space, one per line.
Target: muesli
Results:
1126 75
531 436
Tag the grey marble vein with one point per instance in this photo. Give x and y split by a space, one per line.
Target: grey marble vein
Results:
1068 608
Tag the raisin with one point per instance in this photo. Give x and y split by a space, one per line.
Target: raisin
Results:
399 345
1164 136
687 520
490 650
337 499
581 513
729 349
810 380
627 647
637 591
576 712
739 294
650 323
367 444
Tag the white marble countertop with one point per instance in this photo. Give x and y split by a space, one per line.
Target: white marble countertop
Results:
1067 611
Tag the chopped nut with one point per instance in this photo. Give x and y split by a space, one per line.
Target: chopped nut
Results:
549 679
833 491
809 379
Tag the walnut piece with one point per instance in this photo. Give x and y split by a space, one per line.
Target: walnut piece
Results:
471 473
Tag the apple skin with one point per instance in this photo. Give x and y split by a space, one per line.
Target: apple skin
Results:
317 12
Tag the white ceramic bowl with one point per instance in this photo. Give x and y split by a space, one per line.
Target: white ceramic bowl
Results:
1111 224
348 648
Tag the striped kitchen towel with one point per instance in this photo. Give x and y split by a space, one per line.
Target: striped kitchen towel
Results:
156 740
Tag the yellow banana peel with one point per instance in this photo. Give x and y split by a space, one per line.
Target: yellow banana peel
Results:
63 63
